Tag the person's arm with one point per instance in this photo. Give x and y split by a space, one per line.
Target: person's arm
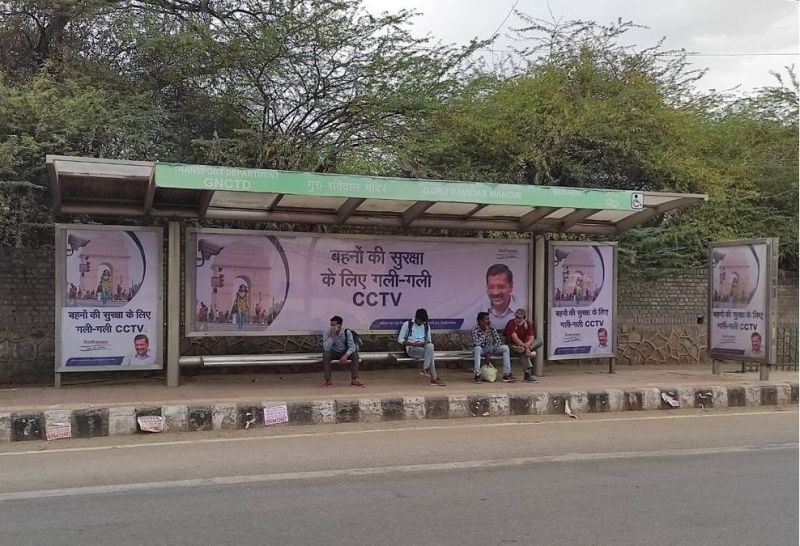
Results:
351 344
531 335
496 336
401 337
327 340
428 329
511 333
476 337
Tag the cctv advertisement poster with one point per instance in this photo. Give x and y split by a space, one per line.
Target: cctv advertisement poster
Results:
582 300
108 298
740 287
257 283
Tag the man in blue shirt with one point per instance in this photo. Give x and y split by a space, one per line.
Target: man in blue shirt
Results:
415 337
338 344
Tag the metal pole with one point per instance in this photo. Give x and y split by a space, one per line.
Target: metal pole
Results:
763 372
716 366
539 295
173 304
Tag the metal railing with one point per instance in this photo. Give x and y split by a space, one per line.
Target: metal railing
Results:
786 351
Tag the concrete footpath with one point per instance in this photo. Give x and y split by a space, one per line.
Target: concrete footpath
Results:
228 402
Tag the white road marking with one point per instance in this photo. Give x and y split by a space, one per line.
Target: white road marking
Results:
376 471
384 431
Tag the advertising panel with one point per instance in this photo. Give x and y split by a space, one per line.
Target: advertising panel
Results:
582 307
257 283
108 298
741 284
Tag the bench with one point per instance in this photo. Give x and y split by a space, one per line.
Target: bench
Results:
310 359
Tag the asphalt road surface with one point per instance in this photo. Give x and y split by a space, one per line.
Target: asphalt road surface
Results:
687 477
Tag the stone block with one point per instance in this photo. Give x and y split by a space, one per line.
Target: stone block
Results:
616 400
199 418
686 397
393 409
249 415
300 413
459 406
736 397
175 418
414 407
703 398
651 398
478 406
347 411
437 407
578 402
795 391
370 410
122 421
5 426
540 403
223 417
784 394
324 412
769 395
557 402
752 395
27 426
668 393
90 423
499 405
719 397
597 402
520 404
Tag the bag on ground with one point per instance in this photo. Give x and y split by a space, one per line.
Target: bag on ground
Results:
489 373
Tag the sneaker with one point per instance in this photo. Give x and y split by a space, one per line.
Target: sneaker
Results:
437 382
357 383
530 378
477 378
509 378
328 383
425 371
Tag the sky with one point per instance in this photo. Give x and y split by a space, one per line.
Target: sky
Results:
737 40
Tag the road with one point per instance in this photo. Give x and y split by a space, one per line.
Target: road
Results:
689 477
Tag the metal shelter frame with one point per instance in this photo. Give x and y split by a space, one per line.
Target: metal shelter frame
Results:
118 188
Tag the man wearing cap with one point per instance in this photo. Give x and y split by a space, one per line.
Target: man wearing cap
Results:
415 337
520 337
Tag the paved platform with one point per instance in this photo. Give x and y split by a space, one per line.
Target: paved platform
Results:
221 402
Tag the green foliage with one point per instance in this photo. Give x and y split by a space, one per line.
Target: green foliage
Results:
322 85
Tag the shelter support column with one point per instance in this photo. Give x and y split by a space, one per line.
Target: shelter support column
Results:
173 304
539 295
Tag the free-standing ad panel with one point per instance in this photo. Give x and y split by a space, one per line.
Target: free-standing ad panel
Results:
257 283
739 326
582 306
108 298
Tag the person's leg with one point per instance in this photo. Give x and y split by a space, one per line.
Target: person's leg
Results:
354 361
430 365
326 365
476 359
503 350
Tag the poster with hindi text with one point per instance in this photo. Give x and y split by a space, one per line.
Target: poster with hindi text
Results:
259 283
739 325
108 298
582 305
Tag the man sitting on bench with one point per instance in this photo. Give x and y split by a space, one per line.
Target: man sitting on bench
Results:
415 336
338 344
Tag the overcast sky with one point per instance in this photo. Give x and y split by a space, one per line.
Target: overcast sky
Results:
731 29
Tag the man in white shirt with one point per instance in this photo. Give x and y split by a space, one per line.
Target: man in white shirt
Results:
141 355
602 342
415 337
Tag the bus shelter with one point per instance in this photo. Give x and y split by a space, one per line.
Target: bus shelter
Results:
104 284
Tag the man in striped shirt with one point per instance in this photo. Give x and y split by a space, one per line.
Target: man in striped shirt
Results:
485 342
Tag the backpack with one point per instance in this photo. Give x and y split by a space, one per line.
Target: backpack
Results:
408 330
355 336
